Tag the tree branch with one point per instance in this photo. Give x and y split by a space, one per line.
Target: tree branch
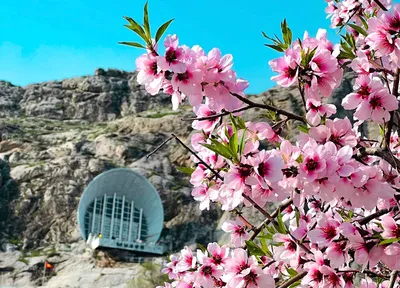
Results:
384 154
377 214
269 107
380 5
292 280
369 272
393 278
395 92
274 214
258 207
225 113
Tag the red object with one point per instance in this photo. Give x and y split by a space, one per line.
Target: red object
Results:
48 265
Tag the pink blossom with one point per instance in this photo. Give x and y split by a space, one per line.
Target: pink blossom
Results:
149 74
325 232
390 228
287 67
238 231
188 261
316 109
173 56
205 125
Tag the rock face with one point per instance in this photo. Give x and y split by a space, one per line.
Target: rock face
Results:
55 137
105 96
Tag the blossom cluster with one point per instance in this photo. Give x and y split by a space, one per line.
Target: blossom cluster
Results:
216 267
342 12
184 72
336 190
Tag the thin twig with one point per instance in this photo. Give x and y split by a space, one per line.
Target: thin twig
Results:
292 280
273 215
380 5
393 278
197 156
244 220
384 154
377 214
258 207
217 115
269 107
268 264
368 272
395 92
160 146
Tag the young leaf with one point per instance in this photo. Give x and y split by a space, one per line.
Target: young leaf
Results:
242 143
146 23
162 29
389 241
303 128
185 170
234 143
254 249
358 29
135 27
281 225
291 272
295 284
133 44
219 148
275 47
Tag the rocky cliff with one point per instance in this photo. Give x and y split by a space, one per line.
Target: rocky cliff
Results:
55 137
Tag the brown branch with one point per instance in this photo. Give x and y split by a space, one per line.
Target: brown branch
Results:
197 156
395 92
244 220
377 214
190 150
274 214
368 272
381 5
393 278
159 146
384 154
269 107
258 207
292 280
218 115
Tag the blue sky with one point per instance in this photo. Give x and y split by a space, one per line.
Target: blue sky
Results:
43 40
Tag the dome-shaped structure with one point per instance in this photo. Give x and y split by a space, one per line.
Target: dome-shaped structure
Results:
121 209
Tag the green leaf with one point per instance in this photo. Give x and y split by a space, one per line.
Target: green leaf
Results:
264 246
358 29
133 44
281 225
389 241
186 170
365 24
275 47
271 230
201 247
303 128
286 34
295 284
240 123
162 29
219 148
135 27
242 142
146 23
291 272
234 144
254 249
297 213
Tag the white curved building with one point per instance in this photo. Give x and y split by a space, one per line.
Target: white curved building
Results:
121 209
